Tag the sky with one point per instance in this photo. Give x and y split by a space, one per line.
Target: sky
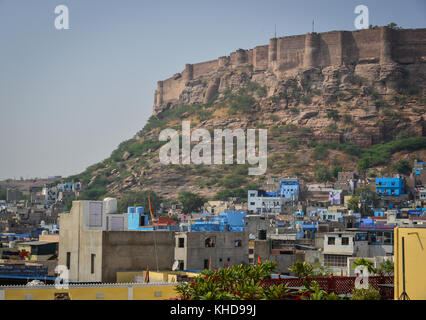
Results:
69 97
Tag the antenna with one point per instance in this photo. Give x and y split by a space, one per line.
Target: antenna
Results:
313 26
275 31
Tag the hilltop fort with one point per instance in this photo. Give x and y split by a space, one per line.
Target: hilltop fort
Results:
285 56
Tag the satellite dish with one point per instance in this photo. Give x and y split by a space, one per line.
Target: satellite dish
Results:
175 265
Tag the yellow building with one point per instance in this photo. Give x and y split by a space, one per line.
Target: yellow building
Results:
128 291
38 251
217 206
415 262
346 201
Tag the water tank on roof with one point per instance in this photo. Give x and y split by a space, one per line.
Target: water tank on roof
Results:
139 210
110 205
12 244
44 232
262 234
131 209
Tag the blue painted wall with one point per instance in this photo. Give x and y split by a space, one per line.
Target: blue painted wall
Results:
389 187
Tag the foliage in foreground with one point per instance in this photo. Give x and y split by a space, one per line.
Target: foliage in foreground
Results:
314 292
366 294
233 283
304 269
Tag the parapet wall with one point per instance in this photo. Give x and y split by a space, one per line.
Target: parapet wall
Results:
381 45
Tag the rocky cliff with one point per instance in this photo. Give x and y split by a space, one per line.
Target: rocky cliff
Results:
330 102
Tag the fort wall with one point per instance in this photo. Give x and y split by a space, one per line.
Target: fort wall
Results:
380 45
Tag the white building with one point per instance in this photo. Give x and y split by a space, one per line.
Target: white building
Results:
260 202
330 216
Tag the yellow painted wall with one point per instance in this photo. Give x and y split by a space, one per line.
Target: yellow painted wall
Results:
346 200
74 293
415 262
162 276
129 276
120 293
148 293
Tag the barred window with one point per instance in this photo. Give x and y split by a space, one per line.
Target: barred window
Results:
335 260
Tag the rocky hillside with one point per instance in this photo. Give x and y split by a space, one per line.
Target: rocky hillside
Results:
321 120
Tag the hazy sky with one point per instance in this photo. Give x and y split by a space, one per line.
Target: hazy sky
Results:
69 97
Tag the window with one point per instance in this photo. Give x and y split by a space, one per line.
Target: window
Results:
252 203
95 214
92 263
388 238
238 243
209 243
68 260
251 251
335 260
206 263
331 240
345 241
141 220
181 242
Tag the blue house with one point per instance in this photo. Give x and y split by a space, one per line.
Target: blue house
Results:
389 187
136 218
380 213
228 221
289 188
418 167
307 230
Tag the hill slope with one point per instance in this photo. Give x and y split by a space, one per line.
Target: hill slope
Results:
320 120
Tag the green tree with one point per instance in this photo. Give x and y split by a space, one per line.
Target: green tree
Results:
302 269
386 268
139 198
313 291
403 167
322 174
353 203
333 114
233 180
393 25
3 194
335 171
366 263
368 200
366 294
320 152
190 201
238 282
